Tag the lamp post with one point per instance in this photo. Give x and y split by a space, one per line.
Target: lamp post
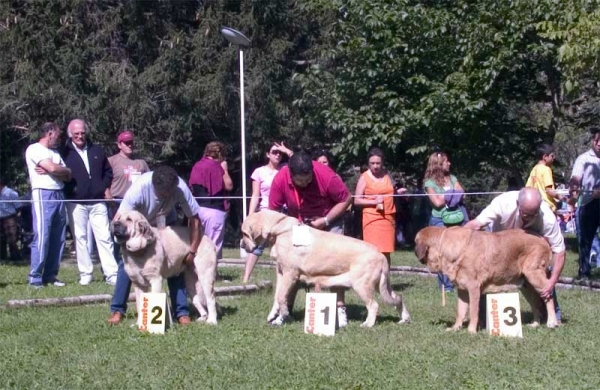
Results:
237 38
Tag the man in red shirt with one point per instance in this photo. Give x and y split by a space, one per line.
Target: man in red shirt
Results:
316 195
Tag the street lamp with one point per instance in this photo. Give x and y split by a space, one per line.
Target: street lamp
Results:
237 38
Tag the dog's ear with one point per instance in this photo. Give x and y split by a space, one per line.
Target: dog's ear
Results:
144 229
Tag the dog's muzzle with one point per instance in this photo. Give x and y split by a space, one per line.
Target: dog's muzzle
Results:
119 230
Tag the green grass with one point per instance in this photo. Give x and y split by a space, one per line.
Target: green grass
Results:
73 347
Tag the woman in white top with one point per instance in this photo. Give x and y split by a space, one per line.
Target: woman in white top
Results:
262 178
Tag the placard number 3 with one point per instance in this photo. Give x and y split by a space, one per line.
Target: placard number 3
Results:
512 315
158 311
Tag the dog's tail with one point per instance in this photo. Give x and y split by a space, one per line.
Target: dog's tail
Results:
385 289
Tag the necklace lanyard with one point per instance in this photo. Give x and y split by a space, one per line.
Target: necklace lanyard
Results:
298 202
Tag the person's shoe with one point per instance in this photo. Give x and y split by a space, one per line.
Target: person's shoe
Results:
115 318
37 286
342 318
111 281
184 320
57 283
85 280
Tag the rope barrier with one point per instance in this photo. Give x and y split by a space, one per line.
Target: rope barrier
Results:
477 193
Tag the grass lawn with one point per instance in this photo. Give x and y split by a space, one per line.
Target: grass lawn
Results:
73 347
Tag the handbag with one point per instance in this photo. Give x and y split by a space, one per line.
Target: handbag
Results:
452 215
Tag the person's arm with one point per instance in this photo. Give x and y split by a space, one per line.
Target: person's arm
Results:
195 228
437 200
61 172
333 214
227 182
255 196
458 186
557 267
360 199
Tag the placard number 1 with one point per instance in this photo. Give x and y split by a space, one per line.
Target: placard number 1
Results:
325 312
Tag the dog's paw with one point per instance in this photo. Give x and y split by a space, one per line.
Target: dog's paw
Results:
453 329
272 316
202 318
367 324
211 321
552 324
405 321
472 330
279 320
534 324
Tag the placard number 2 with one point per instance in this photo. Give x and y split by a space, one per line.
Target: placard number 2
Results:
512 314
155 319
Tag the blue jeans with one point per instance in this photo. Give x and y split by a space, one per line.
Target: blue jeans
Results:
49 227
442 279
588 217
176 291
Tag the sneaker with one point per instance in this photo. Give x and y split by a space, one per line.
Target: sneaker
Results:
112 281
37 286
85 280
342 318
58 283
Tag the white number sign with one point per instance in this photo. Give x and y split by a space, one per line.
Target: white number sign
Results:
504 315
320 314
152 313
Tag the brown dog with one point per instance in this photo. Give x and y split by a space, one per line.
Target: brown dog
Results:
329 259
481 262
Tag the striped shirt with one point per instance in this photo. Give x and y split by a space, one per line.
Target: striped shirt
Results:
587 169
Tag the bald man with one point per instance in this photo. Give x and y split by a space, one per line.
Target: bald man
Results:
524 210
91 179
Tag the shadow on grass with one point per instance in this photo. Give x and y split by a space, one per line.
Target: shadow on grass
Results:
401 286
224 311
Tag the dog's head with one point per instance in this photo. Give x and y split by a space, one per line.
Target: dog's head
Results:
426 247
259 227
131 228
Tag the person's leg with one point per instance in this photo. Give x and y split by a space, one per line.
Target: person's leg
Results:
595 251
122 290
178 295
588 224
56 246
41 234
442 279
10 227
213 222
3 240
251 261
79 216
101 227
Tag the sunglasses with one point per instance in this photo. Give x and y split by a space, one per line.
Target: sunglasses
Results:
128 143
275 152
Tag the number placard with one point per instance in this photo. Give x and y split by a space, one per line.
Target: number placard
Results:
504 315
320 314
152 312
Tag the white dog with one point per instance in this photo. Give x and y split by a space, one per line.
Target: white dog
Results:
151 254
329 259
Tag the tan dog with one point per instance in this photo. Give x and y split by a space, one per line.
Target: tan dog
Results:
331 260
481 262
150 254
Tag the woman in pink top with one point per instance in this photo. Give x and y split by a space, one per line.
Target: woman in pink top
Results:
262 178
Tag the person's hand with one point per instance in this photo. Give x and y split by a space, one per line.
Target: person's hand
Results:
401 191
546 293
318 223
189 259
40 171
108 194
224 165
283 149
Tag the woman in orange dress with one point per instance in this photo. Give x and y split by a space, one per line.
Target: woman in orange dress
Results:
375 194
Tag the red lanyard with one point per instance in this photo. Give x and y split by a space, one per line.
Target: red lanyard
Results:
298 202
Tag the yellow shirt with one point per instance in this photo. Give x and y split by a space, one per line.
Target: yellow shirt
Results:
541 178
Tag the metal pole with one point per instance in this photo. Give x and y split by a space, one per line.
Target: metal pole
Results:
243 129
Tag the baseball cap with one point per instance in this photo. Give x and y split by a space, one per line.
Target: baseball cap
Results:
125 136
